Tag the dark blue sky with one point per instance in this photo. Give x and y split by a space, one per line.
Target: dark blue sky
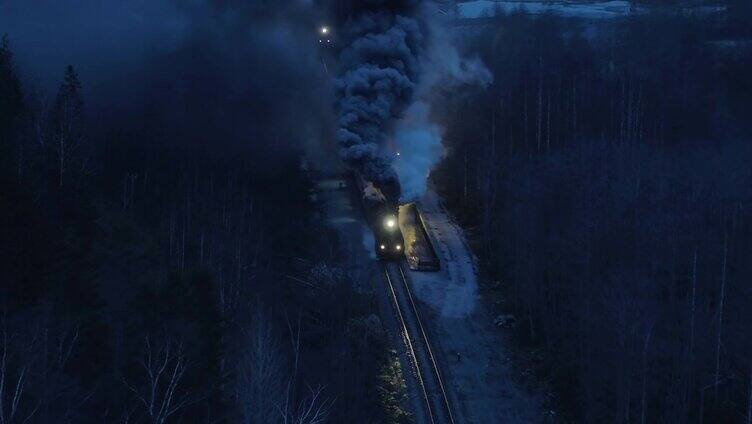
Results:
93 35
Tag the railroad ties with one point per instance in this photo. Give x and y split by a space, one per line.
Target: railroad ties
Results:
418 345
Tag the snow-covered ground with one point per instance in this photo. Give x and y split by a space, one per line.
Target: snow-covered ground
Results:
481 382
457 297
596 10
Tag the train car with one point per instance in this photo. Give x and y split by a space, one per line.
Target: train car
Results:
382 215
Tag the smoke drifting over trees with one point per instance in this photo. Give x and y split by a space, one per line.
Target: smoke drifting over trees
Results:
380 68
395 53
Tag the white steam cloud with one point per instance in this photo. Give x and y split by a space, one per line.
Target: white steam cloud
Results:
418 139
418 142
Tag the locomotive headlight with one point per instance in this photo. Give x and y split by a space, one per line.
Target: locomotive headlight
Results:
390 223
398 247
382 247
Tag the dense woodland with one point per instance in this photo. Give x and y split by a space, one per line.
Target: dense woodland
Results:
151 272
151 268
606 183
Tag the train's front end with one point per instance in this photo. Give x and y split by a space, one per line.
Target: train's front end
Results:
389 242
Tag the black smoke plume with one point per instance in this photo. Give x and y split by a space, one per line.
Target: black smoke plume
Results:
379 71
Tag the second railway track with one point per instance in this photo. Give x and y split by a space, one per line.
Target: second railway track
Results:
419 349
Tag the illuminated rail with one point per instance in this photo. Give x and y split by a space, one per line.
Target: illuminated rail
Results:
438 410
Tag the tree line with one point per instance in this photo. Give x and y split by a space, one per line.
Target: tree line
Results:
605 184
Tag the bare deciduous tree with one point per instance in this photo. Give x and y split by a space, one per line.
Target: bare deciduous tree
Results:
13 379
312 409
265 391
164 366
260 373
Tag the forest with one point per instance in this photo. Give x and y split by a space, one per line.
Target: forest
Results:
604 180
162 259
151 268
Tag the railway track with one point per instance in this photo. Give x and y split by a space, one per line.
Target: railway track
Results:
419 350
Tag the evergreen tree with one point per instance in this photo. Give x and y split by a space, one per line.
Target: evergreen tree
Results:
11 101
68 127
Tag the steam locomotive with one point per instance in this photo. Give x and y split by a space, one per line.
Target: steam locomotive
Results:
382 214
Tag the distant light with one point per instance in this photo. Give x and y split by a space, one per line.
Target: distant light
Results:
398 153
325 30
382 247
399 247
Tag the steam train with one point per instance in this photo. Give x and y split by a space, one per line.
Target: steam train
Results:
382 214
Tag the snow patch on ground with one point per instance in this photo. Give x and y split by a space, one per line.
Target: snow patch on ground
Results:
472 351
457 295
597 10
